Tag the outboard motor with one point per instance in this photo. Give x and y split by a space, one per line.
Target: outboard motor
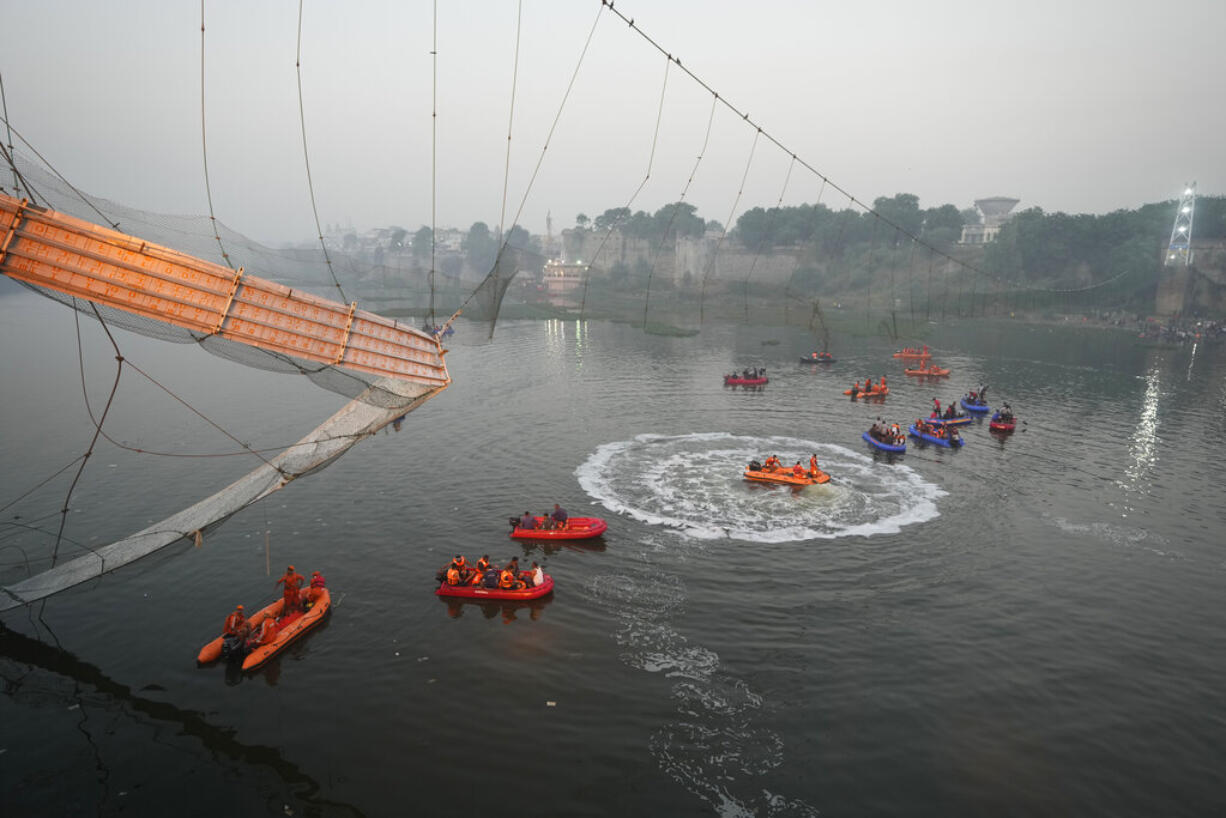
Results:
755 465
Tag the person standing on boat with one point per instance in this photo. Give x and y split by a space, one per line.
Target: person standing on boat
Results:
813 465
292 581
315 590
936 408
559 516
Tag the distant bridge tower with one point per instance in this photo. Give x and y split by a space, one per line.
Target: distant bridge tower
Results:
1179 252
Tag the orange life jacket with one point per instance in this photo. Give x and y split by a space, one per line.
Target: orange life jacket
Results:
506 579
233 622
453 576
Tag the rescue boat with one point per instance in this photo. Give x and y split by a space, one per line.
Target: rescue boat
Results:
960 420
289 628
876 392
977 408
738 381
480 592
949 443
577 528
817 358
928 372
915 354
787 477
998 425
885 447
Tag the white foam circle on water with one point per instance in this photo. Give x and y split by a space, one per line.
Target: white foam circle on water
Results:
694 483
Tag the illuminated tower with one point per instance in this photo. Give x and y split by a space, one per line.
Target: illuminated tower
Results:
1179 252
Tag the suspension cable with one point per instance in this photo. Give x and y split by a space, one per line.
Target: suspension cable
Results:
306 156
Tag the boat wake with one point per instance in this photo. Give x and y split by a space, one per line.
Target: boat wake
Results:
694 483
713 746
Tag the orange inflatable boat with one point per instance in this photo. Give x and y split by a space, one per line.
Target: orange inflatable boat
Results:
786 477
289 628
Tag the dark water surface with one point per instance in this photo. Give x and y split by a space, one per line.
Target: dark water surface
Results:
1031 625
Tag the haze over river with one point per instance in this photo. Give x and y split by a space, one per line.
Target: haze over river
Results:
1032 625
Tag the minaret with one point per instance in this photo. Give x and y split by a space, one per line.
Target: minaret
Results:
549 254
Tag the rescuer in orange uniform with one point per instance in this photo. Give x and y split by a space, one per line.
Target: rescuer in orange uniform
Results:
235 623
316 589
292 581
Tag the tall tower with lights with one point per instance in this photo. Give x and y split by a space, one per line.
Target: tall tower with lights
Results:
1179 251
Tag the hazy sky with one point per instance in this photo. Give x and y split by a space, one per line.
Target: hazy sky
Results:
1079 105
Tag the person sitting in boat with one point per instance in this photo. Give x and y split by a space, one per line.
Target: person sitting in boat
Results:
264 634
559 516
950 412
526 521
452 576
462 568
772 464
512 566
236 628
507 580
546 521
1006 413
483 564
897 434
490 579
798 470
292 581
529 577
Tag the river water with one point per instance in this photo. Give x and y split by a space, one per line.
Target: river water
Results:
1031 625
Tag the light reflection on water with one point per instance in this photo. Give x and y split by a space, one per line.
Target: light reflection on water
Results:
1143 448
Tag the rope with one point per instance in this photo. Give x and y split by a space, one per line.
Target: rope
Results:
770 218
655 139
825 180
55 550
506 171
536 170
737 200
433 161
4 107
671 219
204 148
306 156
